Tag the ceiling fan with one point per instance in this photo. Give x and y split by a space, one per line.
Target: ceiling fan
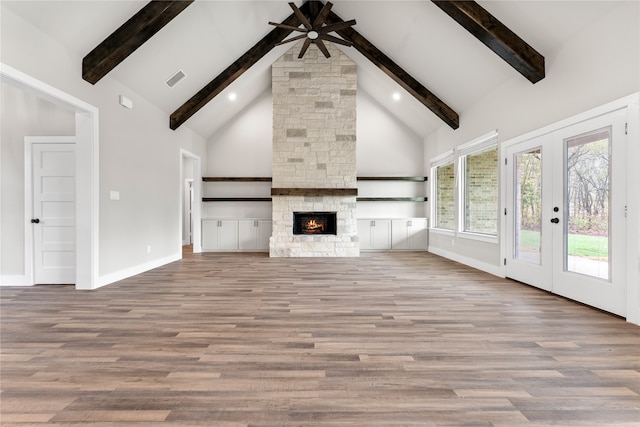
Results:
315 32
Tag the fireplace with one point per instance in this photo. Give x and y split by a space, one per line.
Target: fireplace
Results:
314 223
314 155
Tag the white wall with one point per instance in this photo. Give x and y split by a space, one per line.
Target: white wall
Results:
385 147
598 65
139 155
241 148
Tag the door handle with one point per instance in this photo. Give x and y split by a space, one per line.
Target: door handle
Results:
555 220
35 221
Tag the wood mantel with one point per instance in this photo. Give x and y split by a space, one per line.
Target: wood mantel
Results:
314 192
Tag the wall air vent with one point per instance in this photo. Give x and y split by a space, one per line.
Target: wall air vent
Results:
175 79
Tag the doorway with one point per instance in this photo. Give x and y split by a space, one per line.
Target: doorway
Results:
187 220
565 211
190 195
87 174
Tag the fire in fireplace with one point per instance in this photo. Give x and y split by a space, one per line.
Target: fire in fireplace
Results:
314 223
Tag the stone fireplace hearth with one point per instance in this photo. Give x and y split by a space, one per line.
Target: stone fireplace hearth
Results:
314 151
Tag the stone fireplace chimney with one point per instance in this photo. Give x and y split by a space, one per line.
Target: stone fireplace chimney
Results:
314 151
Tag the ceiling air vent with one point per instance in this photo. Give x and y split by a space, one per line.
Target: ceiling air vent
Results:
176 78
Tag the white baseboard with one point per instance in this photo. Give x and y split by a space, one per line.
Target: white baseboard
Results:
107 279
15 280
496 270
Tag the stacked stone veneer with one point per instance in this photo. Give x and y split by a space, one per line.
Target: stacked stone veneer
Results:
314 146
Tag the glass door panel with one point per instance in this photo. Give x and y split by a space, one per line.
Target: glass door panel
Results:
587 201
528 204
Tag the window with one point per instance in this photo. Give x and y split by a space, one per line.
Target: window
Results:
480 191
465 189
443 185
445 196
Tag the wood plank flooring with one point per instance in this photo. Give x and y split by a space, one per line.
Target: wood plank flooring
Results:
387 339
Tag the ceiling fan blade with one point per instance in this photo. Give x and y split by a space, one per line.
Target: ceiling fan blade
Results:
337 26
322 16
330 38
305 46
287 27
292 39
322 48
301 16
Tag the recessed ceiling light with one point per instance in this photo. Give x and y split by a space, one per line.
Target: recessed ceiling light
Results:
232 96
396 96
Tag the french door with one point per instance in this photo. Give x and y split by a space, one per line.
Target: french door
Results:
566 208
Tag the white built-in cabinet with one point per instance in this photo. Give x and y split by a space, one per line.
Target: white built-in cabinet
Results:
374 234
235 234
254 234
409 234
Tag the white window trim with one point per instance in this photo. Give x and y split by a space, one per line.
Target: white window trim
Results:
442 159
479 143
488 238
443 231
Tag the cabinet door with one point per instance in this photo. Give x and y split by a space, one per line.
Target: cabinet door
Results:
247 235
400 234
228 235
209 234
364 233
418 234
381 234
264 234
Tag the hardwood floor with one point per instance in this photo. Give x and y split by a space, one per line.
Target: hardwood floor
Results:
387 339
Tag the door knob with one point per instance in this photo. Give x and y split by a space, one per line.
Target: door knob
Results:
555 220
35 221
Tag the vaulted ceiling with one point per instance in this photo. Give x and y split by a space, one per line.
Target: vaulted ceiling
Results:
208 36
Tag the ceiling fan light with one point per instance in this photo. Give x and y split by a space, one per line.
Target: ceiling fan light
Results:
312 35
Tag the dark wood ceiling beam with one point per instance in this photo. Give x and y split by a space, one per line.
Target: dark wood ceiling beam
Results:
129 37
235 70
496 36
398 74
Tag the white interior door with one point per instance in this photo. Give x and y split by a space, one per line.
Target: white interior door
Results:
54 213
566 203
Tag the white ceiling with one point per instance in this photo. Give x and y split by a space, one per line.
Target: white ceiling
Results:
210 34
